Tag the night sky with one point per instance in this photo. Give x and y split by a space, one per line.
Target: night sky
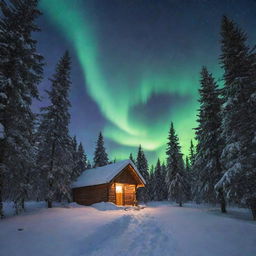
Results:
135 65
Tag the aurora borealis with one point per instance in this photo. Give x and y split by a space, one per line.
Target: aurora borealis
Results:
138 62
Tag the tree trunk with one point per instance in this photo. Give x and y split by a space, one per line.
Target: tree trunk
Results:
253 208
221 193
1 202
253 213
23 204
222 202
223 207
1 179
49 203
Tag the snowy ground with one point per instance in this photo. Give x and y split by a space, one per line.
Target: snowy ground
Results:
160 229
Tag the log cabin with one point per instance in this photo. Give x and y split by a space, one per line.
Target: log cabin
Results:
116 183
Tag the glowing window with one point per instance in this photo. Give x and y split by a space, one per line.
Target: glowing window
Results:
119 189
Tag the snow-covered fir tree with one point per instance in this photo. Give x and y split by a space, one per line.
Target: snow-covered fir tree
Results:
190 177
192 153
55 154
158 184
189 167
165 188
100 154
73 150
207 166
82 158
187 164
151 183
131 158
142 165
79 159
175 176
20 73
238 115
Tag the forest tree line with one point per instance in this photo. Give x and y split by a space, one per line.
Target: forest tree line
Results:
222 166
39 159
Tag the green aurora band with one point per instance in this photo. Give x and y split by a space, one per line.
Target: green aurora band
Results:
117 103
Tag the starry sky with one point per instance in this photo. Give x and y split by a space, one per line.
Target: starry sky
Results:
135 65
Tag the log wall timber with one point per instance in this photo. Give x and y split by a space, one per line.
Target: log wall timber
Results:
112 193
91 194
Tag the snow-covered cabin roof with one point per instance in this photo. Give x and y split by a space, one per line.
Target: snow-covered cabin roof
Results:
104 174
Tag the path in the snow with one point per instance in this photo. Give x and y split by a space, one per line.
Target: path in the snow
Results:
160 229
135 233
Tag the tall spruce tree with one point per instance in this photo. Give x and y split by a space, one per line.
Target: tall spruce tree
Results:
20 73
142 165
190 177
79 159
165 188
131 158
187 164
74 149
82 158
100 154
238 115
192 153
54 156
191 172
207 163
150 184
158 182
175 176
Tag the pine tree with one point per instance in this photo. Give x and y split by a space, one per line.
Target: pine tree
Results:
82 158
192 153
20 73
131 158
79 159
238 115
142 165
207 163
189 175
100 155
55 156
73 150
175 178
150 184
158 182
187 164
165 188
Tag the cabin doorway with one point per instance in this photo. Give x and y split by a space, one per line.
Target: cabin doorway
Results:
129 194
119 194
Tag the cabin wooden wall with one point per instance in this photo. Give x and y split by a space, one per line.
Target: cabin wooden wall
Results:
112 193
90 195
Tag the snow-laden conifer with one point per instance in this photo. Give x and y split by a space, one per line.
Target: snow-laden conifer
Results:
175 176
238 116
20 73
142 165
55 154
100 154
207 166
